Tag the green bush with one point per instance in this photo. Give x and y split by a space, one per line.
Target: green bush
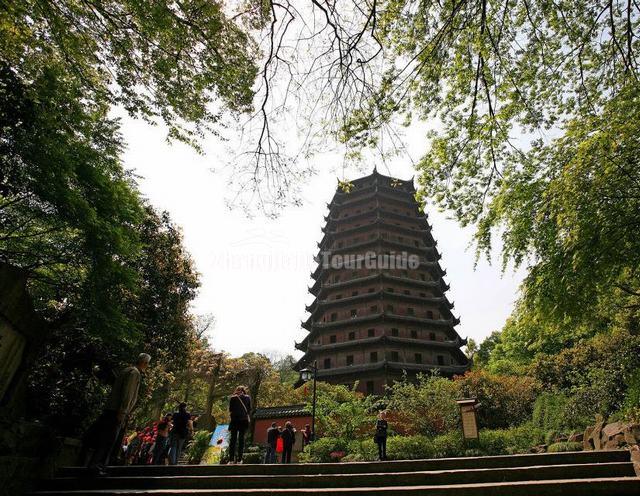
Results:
320 451
409 447
211 456
197 446
565 446
550 412
492 442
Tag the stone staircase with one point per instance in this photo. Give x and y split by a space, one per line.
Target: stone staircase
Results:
591 473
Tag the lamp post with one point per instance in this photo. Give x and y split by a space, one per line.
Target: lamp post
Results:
305 376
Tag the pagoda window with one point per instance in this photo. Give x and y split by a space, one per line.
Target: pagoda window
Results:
338 297
407 292
394 356
349 359
432 336
423 295
373 356
354 293
410 311
405 273
429 314
354 312
418 358
401 239
394 332
371 333
339 244
332 338
371 290
352 336
440 360
414 334
358 211
370 387
389 308
423 277
372 236
334 317
390 290
417 243
374 309
327 363
336 278
384 235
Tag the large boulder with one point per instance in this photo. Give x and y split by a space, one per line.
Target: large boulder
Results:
615 435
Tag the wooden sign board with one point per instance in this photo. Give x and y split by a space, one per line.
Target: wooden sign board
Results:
469 423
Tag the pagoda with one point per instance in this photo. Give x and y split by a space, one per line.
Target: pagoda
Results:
379 309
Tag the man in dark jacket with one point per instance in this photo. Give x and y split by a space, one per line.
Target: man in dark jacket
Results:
272 441
288 440
239 408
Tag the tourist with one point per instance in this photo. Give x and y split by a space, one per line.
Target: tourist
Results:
306 435
288 440
182 427
381 435
272 441
106 432
161 447
239 408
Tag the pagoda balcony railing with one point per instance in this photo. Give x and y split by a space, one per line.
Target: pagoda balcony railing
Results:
377 211
405 342
379 240
434 267
385 364
386 316
379 294
319 287
380 225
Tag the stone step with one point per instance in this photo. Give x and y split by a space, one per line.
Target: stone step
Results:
378 479
503 461
610 486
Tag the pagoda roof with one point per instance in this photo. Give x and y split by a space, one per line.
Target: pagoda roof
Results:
376 178
379 294
360 343
433 267
421 219
318 287
379 223
395 366
385 194
381 317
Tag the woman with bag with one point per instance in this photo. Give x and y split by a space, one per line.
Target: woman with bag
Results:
239 408
381 435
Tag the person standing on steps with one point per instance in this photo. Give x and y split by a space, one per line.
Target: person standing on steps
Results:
272 441
288 440
182 427
106 431
381 435
239 408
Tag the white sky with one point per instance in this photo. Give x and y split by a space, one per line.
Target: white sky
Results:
255 271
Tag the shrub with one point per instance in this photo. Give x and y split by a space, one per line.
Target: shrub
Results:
550 412
427 407
320 450
409 447
565 446
211 456
506 400
197 446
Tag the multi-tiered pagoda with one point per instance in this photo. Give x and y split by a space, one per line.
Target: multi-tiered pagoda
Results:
380 308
